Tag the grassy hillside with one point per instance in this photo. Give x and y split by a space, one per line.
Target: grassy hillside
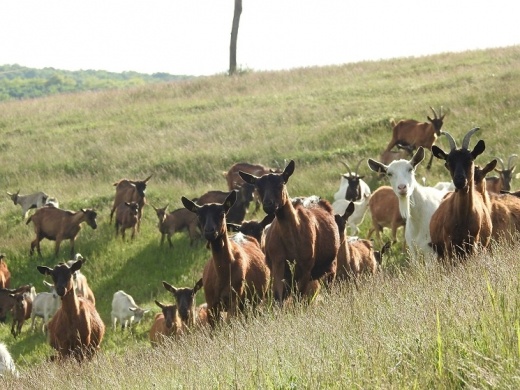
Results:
75 146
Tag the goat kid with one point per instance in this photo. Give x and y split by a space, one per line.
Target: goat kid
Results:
185 300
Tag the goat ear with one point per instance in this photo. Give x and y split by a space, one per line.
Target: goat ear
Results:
490 166
159 304
190 205
348 211
197 286
44 270
247 177
417 157
230 200
439 153
288 171
169 287
132 309
377 166
478 149
267 219
76 266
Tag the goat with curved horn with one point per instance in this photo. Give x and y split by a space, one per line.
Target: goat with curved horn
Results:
467 137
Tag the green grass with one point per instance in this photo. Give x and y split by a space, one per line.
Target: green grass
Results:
412 326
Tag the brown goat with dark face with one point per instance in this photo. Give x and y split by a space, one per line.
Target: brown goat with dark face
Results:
57 225
505 176
306 237
7 302
76 330
176 221
254 229
130 191
21 311
185 299
504 208
166 324
237 272
413 133
462 223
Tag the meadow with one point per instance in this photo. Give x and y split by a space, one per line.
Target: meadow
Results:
412 325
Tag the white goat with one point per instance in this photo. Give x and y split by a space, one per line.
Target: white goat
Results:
45 305
416 203
7 365
125 310
352 186
30 201
360 208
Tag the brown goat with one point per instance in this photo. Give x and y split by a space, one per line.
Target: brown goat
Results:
504 208
306 237
505 175
7 302
185 300
384 209
462 224
236 272
410 132
176 221
57 225
234 181
240 207
126 218
355 256
403 152
76 330
21 311
130 191
165 324
5 275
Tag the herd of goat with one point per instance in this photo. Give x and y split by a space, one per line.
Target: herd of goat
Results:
300 245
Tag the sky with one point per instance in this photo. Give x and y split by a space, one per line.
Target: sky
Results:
192 37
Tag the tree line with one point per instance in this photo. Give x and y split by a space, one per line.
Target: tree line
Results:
19 82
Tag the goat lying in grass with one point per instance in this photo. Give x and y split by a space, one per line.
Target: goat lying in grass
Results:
237 272
306 237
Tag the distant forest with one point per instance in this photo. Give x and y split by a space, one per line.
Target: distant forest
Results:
18 82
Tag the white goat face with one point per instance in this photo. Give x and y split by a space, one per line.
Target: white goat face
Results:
402 177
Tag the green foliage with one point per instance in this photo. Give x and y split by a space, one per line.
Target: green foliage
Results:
385 334
18 82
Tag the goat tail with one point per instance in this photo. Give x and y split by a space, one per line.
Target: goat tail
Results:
28 220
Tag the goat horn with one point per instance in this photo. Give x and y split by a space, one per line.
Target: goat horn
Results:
349 170
453 144
513 156
501 162
357 166
434 113
148 178
467 137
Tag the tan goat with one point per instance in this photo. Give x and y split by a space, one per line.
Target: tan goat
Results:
130 191
412 133
127 214
57 225
166 324
177 221
185 300
505 175
384 210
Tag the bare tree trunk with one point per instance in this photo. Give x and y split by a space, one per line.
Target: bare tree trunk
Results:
234 36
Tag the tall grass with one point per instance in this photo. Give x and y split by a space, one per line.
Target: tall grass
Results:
411 326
